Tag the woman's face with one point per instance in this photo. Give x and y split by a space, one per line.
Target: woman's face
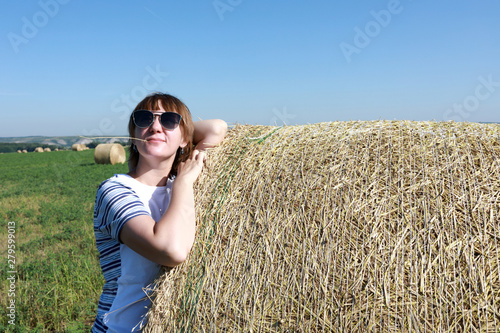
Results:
160 143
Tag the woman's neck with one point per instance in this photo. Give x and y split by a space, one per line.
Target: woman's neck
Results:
152 173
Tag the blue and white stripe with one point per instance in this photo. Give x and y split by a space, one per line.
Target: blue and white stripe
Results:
115 204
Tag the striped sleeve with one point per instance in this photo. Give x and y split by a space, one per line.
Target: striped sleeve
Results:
115 205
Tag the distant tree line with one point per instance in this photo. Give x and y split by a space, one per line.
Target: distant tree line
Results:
95 143
12 147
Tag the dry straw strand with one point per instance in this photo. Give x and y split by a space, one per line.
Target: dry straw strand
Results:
111 137
344 226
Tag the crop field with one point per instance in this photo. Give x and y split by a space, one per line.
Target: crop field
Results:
49 264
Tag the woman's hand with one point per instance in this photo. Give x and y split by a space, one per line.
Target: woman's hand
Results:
189 170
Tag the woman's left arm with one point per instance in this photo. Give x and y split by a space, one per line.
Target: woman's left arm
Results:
208 133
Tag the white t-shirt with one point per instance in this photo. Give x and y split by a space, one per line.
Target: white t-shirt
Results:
128 275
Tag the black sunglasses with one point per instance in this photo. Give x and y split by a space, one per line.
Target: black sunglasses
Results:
145 118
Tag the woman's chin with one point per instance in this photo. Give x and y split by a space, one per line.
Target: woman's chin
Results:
158 153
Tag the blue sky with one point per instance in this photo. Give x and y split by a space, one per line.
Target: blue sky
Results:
73 67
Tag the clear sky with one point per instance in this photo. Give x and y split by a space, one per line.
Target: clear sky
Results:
74 67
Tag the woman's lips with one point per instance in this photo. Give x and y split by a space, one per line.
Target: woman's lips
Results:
155 140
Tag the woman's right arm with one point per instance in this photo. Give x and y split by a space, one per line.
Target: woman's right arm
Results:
208 133
168 241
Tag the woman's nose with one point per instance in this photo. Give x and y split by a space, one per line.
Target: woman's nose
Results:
156 126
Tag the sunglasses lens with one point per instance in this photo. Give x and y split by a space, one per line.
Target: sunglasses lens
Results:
170 120
143 118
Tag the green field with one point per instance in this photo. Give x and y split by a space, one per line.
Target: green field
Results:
50 198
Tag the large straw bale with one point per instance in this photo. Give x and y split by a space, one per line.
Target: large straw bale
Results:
109 153
78 147
46 149
39 150
342 227
25 151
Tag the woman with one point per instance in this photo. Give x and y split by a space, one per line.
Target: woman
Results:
146 218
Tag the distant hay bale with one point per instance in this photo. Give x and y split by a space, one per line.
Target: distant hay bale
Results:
19 151
340 227
46 149
25 151
39 150
109 153
78 147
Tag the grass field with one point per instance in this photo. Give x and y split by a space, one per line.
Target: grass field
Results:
50 199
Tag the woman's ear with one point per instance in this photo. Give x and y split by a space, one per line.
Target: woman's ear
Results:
182 147
183 143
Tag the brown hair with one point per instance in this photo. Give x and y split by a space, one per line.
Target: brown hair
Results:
152 102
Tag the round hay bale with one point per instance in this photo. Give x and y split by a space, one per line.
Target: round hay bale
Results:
19 151
109 153
25 151
39 150
78 147
46 149
342 227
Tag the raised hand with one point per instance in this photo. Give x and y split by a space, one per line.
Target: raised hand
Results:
189 170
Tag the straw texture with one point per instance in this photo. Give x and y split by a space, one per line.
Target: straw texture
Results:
385 226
